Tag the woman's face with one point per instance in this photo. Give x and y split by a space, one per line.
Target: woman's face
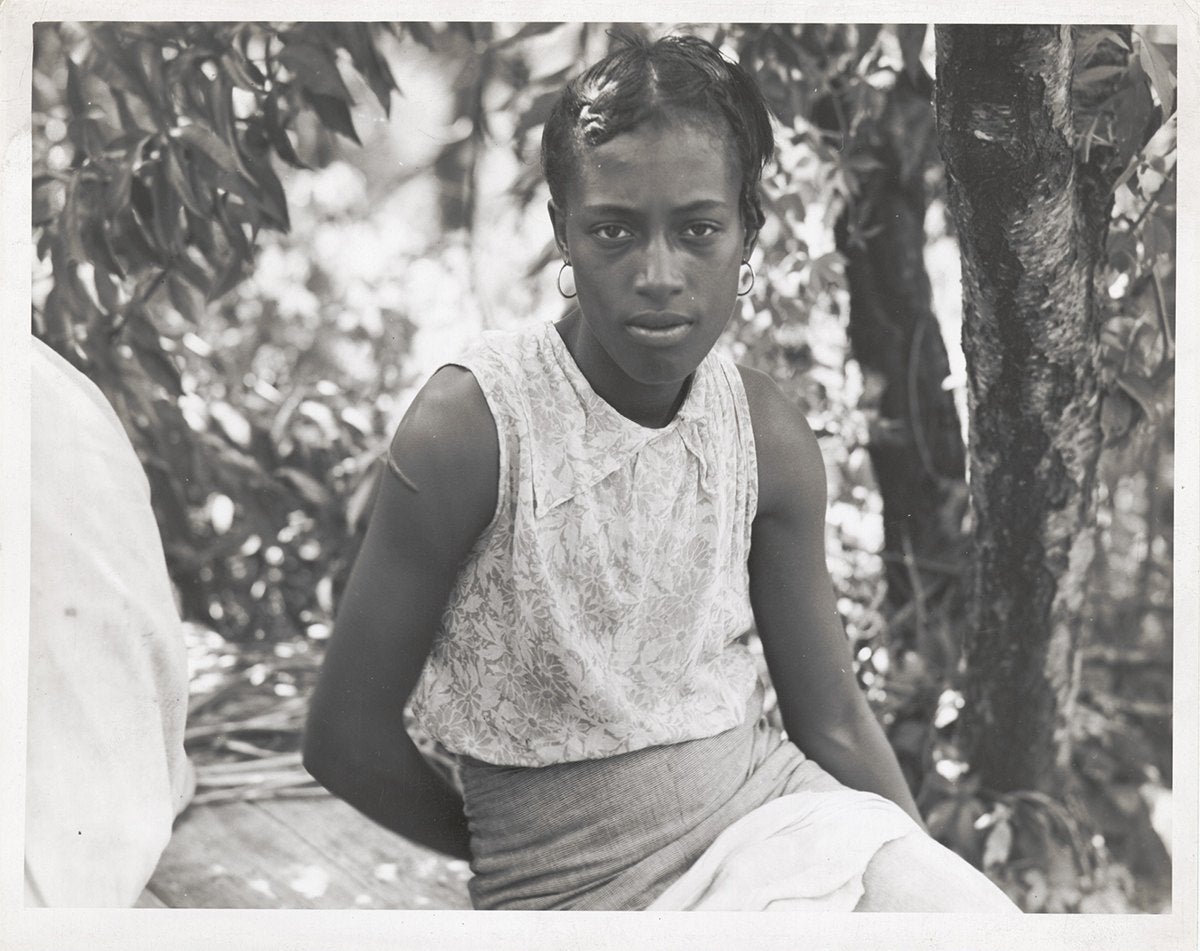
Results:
653 231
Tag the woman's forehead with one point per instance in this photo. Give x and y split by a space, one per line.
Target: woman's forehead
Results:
673 162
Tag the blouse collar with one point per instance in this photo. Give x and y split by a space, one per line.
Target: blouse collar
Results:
589 439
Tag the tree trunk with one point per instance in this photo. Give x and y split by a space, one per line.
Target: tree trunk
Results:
916 445
1031 224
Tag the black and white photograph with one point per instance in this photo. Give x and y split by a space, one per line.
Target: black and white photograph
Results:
507 459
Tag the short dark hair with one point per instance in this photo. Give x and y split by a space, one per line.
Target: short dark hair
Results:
642 81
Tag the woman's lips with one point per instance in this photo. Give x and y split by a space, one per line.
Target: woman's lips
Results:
659 329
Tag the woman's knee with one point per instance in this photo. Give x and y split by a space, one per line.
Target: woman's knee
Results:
915 873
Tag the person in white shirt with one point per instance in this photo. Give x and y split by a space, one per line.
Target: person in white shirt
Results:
106 772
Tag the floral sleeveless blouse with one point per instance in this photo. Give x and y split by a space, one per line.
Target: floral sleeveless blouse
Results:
602 609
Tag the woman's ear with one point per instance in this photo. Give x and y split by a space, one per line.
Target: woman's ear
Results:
748 244
558 220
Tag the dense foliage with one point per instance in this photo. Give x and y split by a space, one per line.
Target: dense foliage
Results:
259 300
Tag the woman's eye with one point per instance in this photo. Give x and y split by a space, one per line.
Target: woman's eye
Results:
701 229
611 232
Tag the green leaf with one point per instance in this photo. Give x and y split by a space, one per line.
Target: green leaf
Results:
233 183
244 73
1096 74
75 134
1118 413
220 101
1090 39
75 100
333 114
379 77
187 268
163 321
912 40
106 289
315 69
1166 198
72 222
203 187
127 148
228 279
277 132
153 64
537 113
58 318
160 367
150 32
130 240
355 38
528 30
312 491
200 232
789 202
94 236
232 226
271 195
45 208
940 817
1121 249
179 181
184 299
148 287
250 209
120 63
1159 238
1159 71
424 34
1130 108
1162 145
215 257
999 844
188 77
167 205
203 139
1149 395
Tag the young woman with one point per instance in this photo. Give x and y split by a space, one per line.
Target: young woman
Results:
581 524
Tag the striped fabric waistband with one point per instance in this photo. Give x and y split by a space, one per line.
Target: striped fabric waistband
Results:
613 833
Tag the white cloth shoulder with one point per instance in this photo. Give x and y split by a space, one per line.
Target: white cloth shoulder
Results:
108 685
601 611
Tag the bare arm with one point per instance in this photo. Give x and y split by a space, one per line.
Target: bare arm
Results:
419 534
824 711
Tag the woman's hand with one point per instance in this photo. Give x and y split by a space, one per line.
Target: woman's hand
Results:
422 527
824 711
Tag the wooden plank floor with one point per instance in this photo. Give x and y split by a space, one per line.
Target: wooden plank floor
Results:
298 853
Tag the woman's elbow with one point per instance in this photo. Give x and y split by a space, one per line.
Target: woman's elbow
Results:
837 732
325 750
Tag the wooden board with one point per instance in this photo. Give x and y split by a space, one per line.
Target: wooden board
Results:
411 875
299 853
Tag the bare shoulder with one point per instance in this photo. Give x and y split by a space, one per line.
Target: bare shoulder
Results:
791 473
446 456
449 422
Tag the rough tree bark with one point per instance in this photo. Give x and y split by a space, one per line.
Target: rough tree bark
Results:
1031 222
916 445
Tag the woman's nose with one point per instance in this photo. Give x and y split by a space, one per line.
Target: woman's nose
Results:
660 276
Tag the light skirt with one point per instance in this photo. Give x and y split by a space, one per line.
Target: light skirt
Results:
739 820
803 851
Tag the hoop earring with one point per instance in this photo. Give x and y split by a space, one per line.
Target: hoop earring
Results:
751 287
558 281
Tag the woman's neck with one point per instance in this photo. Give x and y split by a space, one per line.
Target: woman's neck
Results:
652 405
